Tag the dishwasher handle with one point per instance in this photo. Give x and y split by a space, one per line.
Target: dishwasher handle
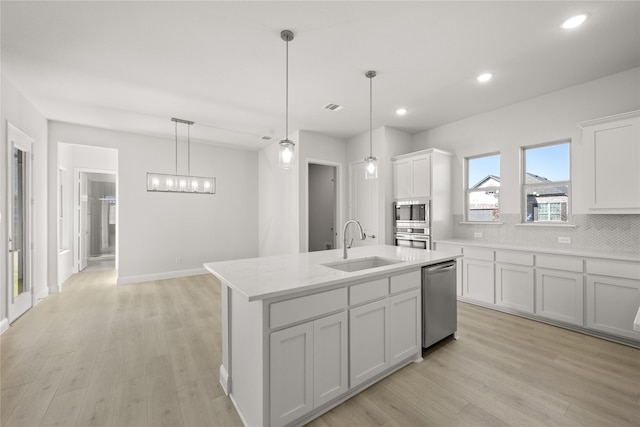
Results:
441 268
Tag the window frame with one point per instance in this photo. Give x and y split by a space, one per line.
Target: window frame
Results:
468 190
524 186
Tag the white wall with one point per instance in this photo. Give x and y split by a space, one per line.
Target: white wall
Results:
72 157
157 228
278 201
16 109
321 149
547 118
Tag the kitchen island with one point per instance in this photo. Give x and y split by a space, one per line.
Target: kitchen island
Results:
302 333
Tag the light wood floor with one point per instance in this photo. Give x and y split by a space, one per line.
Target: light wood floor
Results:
148 355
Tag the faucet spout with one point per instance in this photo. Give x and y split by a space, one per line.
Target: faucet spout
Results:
344 235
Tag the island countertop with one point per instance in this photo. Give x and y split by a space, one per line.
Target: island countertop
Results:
268 277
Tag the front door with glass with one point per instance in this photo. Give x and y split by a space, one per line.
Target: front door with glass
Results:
19 225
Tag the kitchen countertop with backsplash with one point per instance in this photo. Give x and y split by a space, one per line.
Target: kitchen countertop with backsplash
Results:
585 253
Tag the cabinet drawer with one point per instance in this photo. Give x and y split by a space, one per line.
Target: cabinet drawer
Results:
298 309
368 291
624 269
405 282
478 253
510 257
559 262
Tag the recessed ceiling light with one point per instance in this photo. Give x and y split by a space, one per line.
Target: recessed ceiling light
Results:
483 78
574 21
401 111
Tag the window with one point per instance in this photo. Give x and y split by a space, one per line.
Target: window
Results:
483 188
546 183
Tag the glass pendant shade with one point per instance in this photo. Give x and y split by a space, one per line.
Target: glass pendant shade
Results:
285 156
371 170
166 183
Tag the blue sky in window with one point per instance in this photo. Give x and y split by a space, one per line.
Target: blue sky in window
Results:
551 162
480 167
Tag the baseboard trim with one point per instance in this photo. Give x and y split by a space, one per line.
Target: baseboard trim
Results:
42 295
4 325
224 380
128 280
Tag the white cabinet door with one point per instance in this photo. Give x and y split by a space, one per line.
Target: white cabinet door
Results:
291 360
401 179
560 295
478 277
514 287
421 176
405 326
612 147
612 304
368 341
330 358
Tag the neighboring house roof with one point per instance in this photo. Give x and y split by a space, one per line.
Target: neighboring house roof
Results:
487 178
530 178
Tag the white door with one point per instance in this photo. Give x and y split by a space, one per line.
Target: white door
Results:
84 222
363 205
19 291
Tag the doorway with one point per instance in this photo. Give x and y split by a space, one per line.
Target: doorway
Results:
19 289
322 207
96 220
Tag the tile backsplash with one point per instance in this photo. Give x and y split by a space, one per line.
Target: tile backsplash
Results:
615 233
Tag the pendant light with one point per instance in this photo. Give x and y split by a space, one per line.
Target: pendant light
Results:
285 154
167 183
371 170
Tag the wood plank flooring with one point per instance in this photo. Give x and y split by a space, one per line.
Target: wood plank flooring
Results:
148 355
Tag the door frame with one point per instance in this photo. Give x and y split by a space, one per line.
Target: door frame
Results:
76 211
17 137
338 211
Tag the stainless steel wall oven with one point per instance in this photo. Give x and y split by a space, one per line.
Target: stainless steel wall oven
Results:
411 223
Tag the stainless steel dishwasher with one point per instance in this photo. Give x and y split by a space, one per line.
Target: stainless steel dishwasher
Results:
439 304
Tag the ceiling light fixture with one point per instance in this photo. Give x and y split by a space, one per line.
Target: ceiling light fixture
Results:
285 155
167 183
401 111
485 77
574 21
371 170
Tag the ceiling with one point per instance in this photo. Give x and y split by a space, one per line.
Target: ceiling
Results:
131 66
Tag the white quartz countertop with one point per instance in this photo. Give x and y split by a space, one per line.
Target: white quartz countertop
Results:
585 253
268 277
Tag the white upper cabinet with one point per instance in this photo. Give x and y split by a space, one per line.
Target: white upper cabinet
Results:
612 154
412 177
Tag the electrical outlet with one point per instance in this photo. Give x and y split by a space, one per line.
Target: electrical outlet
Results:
478 235
179 260
564 239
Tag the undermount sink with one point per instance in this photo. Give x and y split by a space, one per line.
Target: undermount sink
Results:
358 264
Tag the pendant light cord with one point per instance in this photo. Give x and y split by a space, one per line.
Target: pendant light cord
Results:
286 113
176 147
370 116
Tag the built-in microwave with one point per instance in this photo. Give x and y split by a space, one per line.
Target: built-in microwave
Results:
411 211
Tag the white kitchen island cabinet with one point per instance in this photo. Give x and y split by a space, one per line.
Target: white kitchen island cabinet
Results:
300 337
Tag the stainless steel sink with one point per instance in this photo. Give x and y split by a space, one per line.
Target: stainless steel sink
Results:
358 264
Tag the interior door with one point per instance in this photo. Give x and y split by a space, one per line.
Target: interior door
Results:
83 221
363 206
20 294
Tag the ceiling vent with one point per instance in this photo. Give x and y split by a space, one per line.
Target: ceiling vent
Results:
333 107
266 138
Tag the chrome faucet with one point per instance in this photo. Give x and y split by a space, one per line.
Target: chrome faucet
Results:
344 235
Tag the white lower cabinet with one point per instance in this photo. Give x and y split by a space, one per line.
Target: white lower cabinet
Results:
308 367
612 304
368 341
330 358
560 296
291 360
514 287
405 316
478 280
